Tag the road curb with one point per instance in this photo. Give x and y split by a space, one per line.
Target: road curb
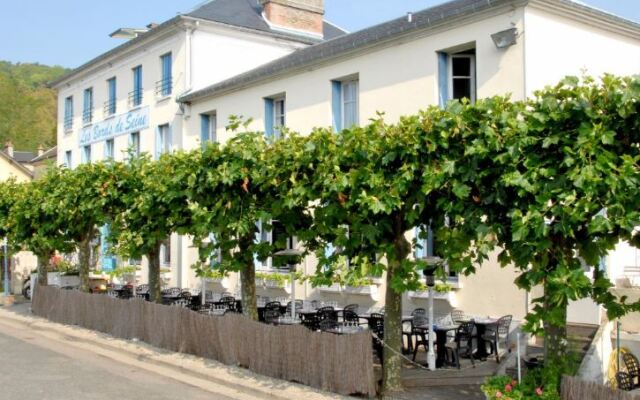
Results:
193 368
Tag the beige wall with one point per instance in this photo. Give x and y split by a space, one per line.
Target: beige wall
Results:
10 170
399 80
557 46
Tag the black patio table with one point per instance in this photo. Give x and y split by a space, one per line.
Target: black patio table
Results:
261 309
481 328
441 341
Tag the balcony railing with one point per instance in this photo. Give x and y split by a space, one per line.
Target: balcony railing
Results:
109 107
68 123
164 87
87 116
135 98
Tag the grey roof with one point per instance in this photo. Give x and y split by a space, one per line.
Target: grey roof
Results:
50 153
248 14
434 17
23 156
244 14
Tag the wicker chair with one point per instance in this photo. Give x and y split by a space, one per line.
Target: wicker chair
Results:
633 368
352 307
496 333
463 341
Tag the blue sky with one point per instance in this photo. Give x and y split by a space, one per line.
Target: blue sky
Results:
70 32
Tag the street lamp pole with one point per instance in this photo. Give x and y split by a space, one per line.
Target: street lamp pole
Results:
6 267
291 252
429 272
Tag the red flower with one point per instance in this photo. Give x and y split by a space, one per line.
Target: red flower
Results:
498 394
539 391
514 383
508 388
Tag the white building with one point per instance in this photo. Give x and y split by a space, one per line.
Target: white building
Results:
463 48
125 99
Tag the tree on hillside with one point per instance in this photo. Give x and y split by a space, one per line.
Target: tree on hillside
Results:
27 107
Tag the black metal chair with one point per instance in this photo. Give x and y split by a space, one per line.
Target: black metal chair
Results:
352 307
457 316
273 305
496 333
376 326
327 313
624 381
228 302
350 318
420 328
419 318
463 341
633 368
272 316
142 289
327 324
298 304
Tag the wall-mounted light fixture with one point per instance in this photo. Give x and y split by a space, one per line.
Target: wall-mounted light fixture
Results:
506 38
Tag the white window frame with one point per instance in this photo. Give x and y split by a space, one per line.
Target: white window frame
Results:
165 253
213 128
472 78
165 137
109 149
135 143
343 101
279 116
68 159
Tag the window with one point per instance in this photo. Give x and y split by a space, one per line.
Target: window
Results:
135 97
164 86
274 116
425 248
163 140
86 154
68 113
67 159
457 76
345 104
134 143
462 82
87 107
278 236
110 104
109 149
107 257
165 252
208 127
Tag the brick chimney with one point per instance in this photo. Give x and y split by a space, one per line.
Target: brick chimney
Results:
297 15
40 150
8 148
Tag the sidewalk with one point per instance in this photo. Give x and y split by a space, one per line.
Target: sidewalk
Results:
233 382
237 383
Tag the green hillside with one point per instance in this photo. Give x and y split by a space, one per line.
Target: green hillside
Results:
27 107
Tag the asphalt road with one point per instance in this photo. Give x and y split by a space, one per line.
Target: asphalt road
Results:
34 368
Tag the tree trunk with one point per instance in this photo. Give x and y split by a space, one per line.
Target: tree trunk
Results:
248 281
43 262
392 362
555 333
155 290
84 257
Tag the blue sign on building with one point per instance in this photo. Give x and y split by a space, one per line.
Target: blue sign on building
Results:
133 121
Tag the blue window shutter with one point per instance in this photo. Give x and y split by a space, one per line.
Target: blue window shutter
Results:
336 105
108 261
205 128
443 78
166 74
268 117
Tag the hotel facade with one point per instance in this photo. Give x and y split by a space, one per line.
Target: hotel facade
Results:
302 73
